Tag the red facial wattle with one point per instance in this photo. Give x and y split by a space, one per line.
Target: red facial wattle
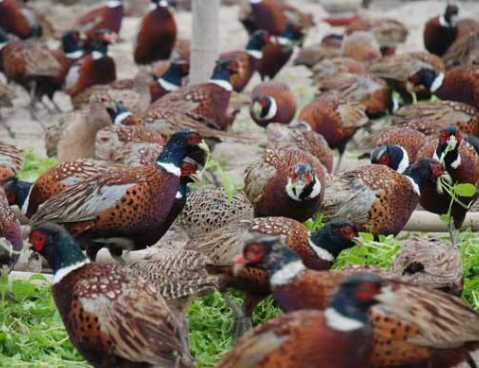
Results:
38 239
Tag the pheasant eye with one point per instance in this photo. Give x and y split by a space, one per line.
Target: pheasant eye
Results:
11 197
415 79
253 253
366 291
194 139
187 168
37 239
384 160
348 232
437 169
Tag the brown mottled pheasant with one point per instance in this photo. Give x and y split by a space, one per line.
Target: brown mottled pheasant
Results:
336 119
318 250
126 209
300 136
287 182
413 326
29 196
113 317
209 209
378 199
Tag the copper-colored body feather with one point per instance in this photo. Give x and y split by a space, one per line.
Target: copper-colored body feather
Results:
431 117
58 178
415 328
300 339
461 84
274 17
336 119
374 197
115 318
91 72
285 100
371 91
101 18
248 66
438 39
208 100
280 136
410 139
11 161
223 244
266 181
156 37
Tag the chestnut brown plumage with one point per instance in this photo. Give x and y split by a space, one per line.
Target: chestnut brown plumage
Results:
431 117
248 59
209 100
336 119
113 317
443 31
29 196
95 68
287 341
273 17
29 63
410 139
277 53
125 209
300 136
272 102
371 91
378 199
108 17
413 326
18 19
287 182
157 34
461 84
318 250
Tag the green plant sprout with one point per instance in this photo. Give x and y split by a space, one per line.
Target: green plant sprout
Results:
454 191
34 166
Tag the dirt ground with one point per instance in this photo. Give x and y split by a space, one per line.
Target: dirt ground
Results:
30 134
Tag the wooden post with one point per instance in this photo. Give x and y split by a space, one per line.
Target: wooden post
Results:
204 45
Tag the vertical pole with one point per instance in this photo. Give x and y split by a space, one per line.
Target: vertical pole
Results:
204 45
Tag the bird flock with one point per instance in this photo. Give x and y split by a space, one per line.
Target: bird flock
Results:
136 161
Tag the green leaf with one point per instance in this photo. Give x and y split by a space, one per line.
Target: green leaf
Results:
446 218
465 190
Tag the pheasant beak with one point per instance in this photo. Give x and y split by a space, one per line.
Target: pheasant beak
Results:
204 147
239 263
358 240
445 177
196 177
